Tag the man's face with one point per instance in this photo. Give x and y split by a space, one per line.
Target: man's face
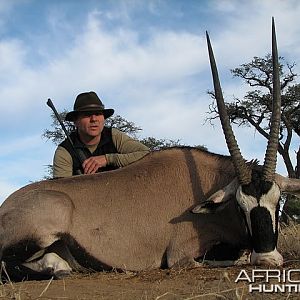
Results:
90 124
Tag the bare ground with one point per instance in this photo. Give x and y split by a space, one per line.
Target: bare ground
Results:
200 283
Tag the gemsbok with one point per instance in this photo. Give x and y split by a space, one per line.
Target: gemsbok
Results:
170 208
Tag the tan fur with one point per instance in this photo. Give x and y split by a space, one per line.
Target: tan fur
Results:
130 218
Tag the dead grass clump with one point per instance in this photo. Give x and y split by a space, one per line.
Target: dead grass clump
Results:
10 290
289 242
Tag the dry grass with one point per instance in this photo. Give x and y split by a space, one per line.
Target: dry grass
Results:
10 290
184 284
289 242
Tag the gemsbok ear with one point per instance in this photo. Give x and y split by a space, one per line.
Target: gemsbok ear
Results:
226 193
218 200
209 207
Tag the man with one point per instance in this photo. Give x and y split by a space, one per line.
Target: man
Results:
102 148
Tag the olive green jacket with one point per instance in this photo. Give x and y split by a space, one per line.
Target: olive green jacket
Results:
129 150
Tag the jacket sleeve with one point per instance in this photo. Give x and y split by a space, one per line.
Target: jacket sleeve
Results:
129 149
62 163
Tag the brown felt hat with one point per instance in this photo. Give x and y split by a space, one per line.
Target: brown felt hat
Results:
88 102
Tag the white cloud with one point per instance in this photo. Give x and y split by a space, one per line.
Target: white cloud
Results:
100 60
23 160
248 30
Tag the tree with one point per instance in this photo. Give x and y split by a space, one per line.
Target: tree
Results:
158 144
256 106
56 135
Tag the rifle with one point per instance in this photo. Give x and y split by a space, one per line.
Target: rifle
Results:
79 155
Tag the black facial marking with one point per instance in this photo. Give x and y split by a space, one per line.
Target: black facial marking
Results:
277 221
264 238
257 187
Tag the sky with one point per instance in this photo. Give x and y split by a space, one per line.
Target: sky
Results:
147 59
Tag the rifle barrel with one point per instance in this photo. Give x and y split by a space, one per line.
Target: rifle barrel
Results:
51 105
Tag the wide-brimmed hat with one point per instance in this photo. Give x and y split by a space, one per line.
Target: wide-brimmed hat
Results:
88 102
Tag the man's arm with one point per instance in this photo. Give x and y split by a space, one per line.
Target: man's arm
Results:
62 163
129 149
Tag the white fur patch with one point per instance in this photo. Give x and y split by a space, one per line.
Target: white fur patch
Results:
269 201
272 258
247 203
49 261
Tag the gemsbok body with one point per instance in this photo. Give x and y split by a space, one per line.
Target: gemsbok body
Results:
170 208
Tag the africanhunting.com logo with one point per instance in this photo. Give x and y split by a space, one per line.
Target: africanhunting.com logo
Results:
271 281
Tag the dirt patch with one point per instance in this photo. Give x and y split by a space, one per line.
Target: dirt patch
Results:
200 283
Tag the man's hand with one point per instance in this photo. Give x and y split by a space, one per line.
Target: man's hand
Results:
92 164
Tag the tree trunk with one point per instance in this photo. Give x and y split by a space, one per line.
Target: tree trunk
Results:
286 215
297 169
